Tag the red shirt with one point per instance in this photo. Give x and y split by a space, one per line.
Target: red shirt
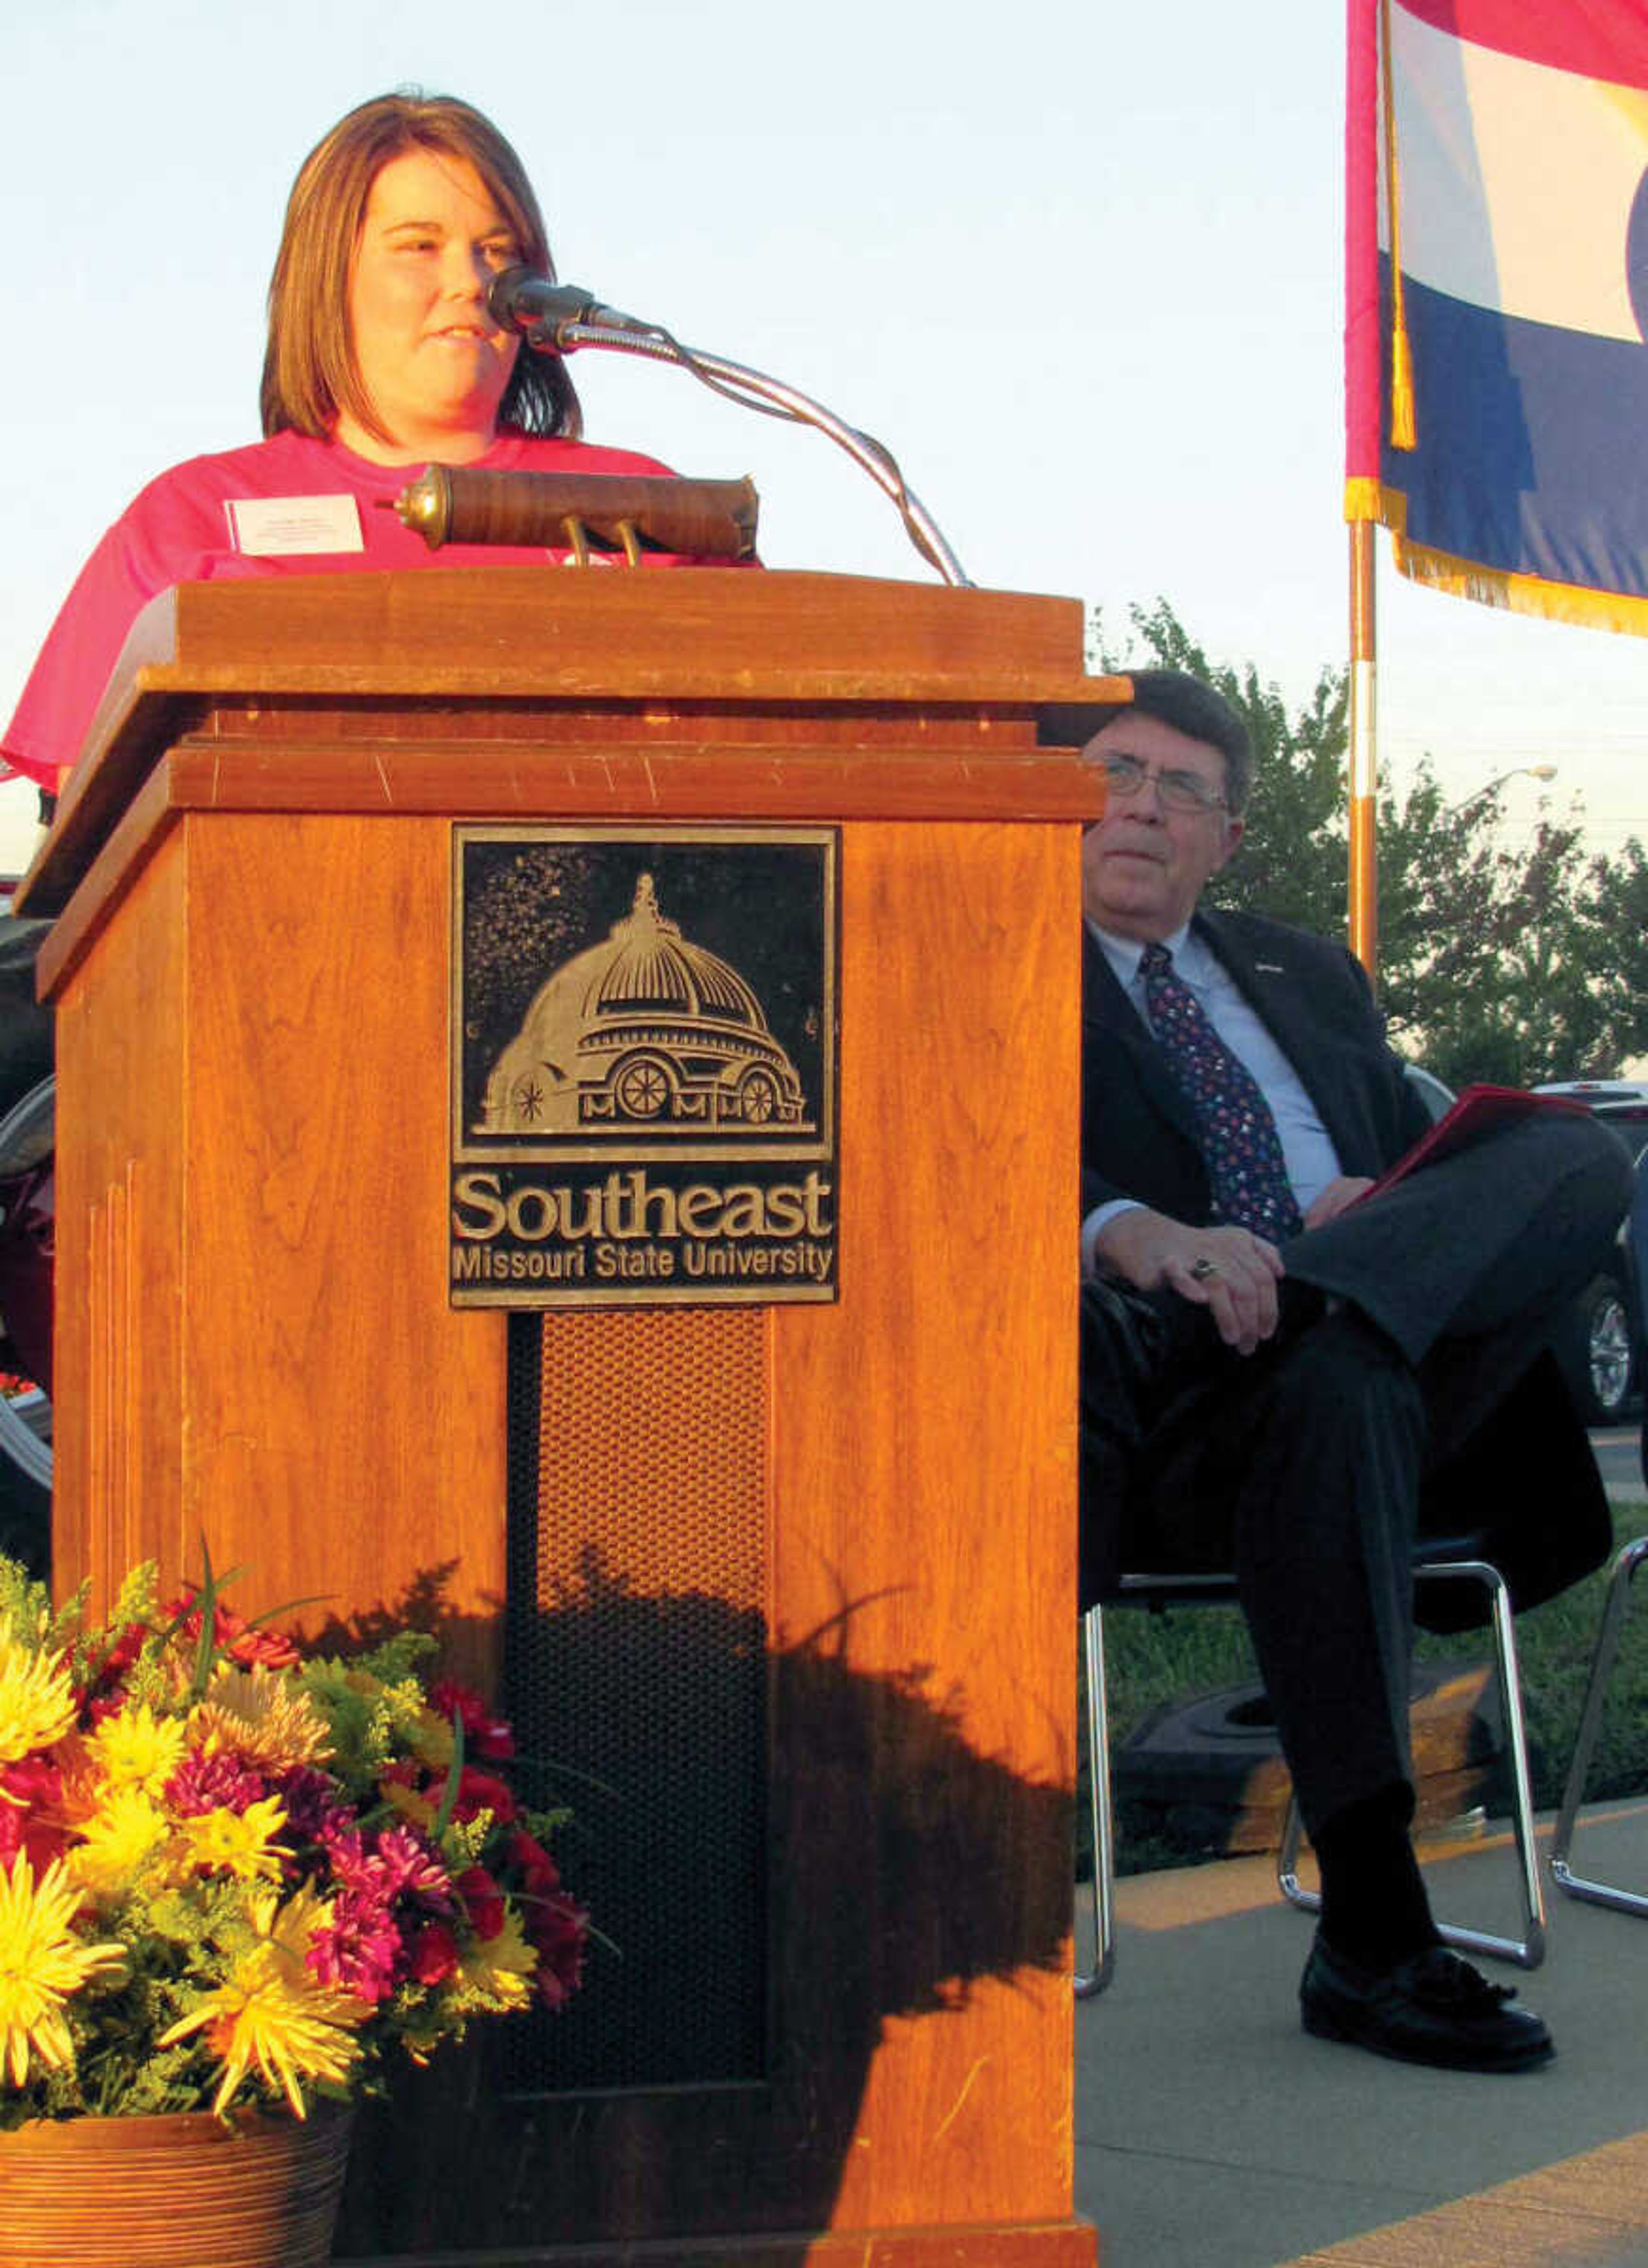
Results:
180 530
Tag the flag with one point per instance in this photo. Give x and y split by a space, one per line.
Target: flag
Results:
1496 298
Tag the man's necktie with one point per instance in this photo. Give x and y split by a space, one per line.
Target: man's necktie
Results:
1239 1141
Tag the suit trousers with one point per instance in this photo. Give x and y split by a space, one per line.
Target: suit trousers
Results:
1406 1323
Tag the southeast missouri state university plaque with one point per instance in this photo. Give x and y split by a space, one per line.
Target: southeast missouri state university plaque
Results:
644 1066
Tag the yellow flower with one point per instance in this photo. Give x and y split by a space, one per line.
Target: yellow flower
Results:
293 1926
37 1704
273 2012
263 1715
242 1843
498 1968
415 1809
136 1749
120 1837
41 1962
430 1739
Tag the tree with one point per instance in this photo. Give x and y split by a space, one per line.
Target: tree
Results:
1292 863
1511 963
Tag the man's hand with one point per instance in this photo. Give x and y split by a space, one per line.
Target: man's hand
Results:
1229 1271
1337 1197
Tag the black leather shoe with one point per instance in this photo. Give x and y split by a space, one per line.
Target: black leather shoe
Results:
1432 2008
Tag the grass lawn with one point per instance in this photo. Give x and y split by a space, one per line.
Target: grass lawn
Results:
1155 1658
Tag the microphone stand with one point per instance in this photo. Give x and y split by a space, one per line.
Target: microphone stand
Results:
752 389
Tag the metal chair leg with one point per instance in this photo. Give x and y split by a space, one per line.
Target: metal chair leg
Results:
1528 1950
1577 1886
1092 1981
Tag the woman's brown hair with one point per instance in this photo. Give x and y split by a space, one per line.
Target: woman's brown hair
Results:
309 368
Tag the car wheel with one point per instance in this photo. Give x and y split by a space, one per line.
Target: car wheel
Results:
26 1479
26 1274
1596 1352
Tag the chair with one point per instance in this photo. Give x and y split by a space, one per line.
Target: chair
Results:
1437 1560
1580 1886
1602 1659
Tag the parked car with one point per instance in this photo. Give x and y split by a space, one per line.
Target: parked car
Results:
1600 1346
26 1191
26 1256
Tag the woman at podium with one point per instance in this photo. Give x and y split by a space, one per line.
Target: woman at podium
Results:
381 358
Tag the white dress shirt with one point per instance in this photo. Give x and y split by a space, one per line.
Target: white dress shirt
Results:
1307 1149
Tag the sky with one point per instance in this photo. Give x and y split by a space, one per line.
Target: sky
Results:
1076 262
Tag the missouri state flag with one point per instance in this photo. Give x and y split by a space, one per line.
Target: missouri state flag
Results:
1496 302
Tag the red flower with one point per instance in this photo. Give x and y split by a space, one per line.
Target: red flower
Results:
483 1901
484 1735
122 1654
35 1780
185 1611
538 1871
273 1649
40 1840
232 1635
30 1820
434 1953
479 1791
559 1931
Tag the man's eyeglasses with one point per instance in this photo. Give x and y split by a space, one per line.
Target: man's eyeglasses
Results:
1179 790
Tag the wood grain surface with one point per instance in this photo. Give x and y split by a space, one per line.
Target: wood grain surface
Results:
845 653
255 1344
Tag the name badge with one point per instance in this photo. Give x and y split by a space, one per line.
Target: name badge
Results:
276 527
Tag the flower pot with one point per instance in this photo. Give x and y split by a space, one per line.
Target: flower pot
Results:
172 2192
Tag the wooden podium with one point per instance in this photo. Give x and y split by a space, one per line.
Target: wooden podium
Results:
862 1508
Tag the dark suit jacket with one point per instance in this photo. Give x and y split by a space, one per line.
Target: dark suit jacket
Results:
1138 1134
1527 1472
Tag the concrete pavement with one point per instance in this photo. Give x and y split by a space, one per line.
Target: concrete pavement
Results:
1210 2132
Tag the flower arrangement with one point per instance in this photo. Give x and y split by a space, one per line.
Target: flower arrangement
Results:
229 1874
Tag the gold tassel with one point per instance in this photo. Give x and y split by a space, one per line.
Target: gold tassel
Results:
1401 397
1404 431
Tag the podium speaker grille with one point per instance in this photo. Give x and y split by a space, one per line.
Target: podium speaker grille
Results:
635 1665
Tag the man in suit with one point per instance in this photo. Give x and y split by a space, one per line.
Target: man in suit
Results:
1308 1379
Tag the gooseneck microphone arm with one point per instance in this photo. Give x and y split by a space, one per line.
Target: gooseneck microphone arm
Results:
559 318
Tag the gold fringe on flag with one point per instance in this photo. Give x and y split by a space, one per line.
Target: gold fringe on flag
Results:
1521 594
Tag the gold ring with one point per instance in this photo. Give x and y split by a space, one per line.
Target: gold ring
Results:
1202 1268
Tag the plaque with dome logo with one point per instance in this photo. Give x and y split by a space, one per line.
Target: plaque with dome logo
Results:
643 1060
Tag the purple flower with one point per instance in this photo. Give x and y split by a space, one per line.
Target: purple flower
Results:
345 1846
393 1863
219 1782
313 1803
360 1951
413 1868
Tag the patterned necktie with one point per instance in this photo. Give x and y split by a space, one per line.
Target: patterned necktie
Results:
1239 1141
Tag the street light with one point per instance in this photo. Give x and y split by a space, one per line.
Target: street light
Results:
1518 771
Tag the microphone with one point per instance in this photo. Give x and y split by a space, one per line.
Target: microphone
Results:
518 301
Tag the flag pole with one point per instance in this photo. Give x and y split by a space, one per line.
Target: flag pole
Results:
1365 49
1363 755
